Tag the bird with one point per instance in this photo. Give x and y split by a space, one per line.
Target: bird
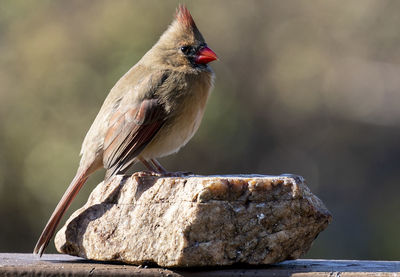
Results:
151 112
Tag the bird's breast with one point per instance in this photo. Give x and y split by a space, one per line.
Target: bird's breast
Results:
184 122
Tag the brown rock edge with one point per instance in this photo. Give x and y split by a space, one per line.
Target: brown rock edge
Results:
195 220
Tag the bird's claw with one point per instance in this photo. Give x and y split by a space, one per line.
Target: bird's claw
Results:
177 174
162 174
145 174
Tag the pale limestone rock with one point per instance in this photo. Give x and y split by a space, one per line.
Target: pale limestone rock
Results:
195 220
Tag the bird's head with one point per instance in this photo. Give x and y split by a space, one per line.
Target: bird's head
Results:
182 44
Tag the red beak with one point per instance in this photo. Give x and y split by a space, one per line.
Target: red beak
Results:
205 55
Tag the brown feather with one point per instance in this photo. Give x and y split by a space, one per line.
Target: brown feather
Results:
133 130
184 17
62 206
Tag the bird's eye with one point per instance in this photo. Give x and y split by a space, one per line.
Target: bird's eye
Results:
185 49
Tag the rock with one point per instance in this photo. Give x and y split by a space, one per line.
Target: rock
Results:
195 220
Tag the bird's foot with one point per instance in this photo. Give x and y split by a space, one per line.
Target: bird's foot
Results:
176 174
146 174
162 174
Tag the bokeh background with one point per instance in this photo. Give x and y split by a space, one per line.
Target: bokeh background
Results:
303 87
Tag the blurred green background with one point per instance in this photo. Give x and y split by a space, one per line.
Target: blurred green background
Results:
304 87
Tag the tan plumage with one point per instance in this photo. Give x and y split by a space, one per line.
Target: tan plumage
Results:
151 112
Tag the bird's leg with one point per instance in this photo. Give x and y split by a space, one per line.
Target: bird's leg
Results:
153 171
164 172
148 165
158 166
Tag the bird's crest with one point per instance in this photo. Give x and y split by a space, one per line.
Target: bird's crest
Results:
184 17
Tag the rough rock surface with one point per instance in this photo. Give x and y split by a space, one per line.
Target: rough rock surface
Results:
195 220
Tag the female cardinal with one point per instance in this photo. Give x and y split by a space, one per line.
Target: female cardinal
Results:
151 112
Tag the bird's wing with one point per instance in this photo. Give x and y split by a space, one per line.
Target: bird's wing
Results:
130 130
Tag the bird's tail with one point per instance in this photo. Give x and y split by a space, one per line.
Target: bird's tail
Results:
62 206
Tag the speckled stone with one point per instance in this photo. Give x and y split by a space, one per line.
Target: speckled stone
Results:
195 220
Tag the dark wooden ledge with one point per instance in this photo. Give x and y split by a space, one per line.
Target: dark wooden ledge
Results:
63 265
